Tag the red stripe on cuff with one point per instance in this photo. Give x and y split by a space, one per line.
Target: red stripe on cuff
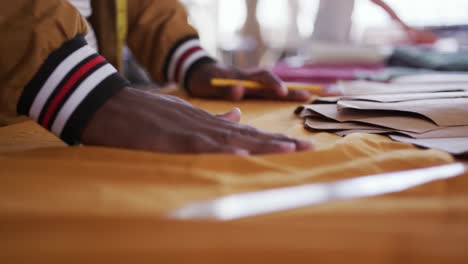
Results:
64 90
181 61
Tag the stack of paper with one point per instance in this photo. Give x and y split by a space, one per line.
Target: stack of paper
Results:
432 115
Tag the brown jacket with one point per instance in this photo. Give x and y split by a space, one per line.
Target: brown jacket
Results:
38 34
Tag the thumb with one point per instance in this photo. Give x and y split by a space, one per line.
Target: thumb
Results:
234 115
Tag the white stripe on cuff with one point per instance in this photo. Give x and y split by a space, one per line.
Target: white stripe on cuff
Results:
56 77
178 54
189 61
79 95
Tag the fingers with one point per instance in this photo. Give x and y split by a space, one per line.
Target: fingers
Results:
224 132
255 141
200 85
303 145
269 81
236 93
233 116
252 144
259 145
298 96
199 143
235 128
138 120
421 36
231 93
256 146
300 145
274 88
231 144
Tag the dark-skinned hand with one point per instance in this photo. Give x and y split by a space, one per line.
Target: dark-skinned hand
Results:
199 84
136 119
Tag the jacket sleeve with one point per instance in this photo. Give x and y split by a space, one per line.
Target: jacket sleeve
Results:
163 41
47 70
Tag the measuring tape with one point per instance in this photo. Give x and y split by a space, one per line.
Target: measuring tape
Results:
121 27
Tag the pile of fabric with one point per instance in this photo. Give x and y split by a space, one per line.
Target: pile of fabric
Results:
429 114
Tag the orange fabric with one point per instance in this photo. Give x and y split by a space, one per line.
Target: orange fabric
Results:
95 205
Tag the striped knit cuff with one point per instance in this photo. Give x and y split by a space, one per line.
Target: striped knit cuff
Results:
182 58
68 89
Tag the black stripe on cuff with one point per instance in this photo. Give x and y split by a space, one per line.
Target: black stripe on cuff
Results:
171 52
188 75
85 110
50 64
61 84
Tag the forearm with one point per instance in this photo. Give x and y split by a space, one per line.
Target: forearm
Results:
416 36
163 41
391 13
70 86
31 30
52 76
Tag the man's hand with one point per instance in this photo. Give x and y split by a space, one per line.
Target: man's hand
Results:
141 120
415 36
419 36
199 84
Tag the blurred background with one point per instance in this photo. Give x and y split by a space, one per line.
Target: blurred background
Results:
260 32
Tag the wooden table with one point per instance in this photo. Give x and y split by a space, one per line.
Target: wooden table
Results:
93 205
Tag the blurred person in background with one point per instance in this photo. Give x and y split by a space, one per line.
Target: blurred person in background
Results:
60 63
333 23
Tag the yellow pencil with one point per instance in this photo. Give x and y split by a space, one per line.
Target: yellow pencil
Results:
219 82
